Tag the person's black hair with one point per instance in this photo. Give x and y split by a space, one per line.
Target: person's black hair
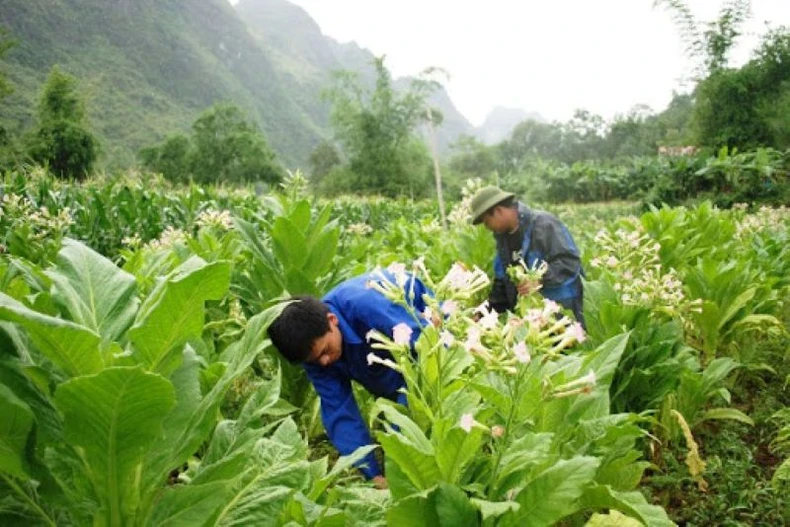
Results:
301 322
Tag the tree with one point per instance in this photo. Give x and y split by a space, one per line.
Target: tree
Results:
376 129
224 147
7 146
323 159
61 139
473 159
748 107
636 133
6 43
228 148
710 46
171 158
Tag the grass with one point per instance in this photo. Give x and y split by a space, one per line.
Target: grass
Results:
739 468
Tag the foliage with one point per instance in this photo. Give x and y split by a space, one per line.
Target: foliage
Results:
503 425
709 46
746 107
224 147
376 128
61 139
686 311
323 159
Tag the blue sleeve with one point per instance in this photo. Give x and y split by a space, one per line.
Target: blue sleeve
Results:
341 417
376 312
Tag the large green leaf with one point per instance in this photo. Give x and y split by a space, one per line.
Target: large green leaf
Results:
93 290
322 253
444 505
419 467
603 361
520 458
174 312
277 470
193 418
454 508
49 425
728 413
300 215
289 243
633 504
493 509
732 308
409 433
112 418
781 478
189 505
14 429
454 449
414 511
554 493
71 347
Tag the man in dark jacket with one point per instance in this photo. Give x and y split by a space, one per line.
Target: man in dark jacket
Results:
533 237
330 338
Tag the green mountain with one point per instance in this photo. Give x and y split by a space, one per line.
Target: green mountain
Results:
148 68
302 54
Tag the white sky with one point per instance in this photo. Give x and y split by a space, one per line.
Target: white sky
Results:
549 56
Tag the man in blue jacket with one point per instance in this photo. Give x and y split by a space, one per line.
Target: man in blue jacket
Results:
328 337
532 236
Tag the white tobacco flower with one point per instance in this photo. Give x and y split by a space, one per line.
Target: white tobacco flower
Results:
489 320
577 332
467 422
375 359
399 271
550 307
401 334
217 219
449 307
446 338
537 319
521 353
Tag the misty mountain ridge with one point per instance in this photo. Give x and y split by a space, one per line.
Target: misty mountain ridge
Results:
500 122
148 68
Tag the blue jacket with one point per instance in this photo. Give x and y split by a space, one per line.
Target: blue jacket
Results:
358 310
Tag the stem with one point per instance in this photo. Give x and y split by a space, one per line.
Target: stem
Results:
35 506
513 397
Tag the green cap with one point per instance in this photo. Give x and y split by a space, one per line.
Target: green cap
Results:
484 199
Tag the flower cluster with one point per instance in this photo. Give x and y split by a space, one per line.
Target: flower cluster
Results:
359 229
633 264
167 239
473 342
219 220
463 210
521 273
765 219
40 224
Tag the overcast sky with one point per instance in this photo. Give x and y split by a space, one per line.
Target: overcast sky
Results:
549 56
